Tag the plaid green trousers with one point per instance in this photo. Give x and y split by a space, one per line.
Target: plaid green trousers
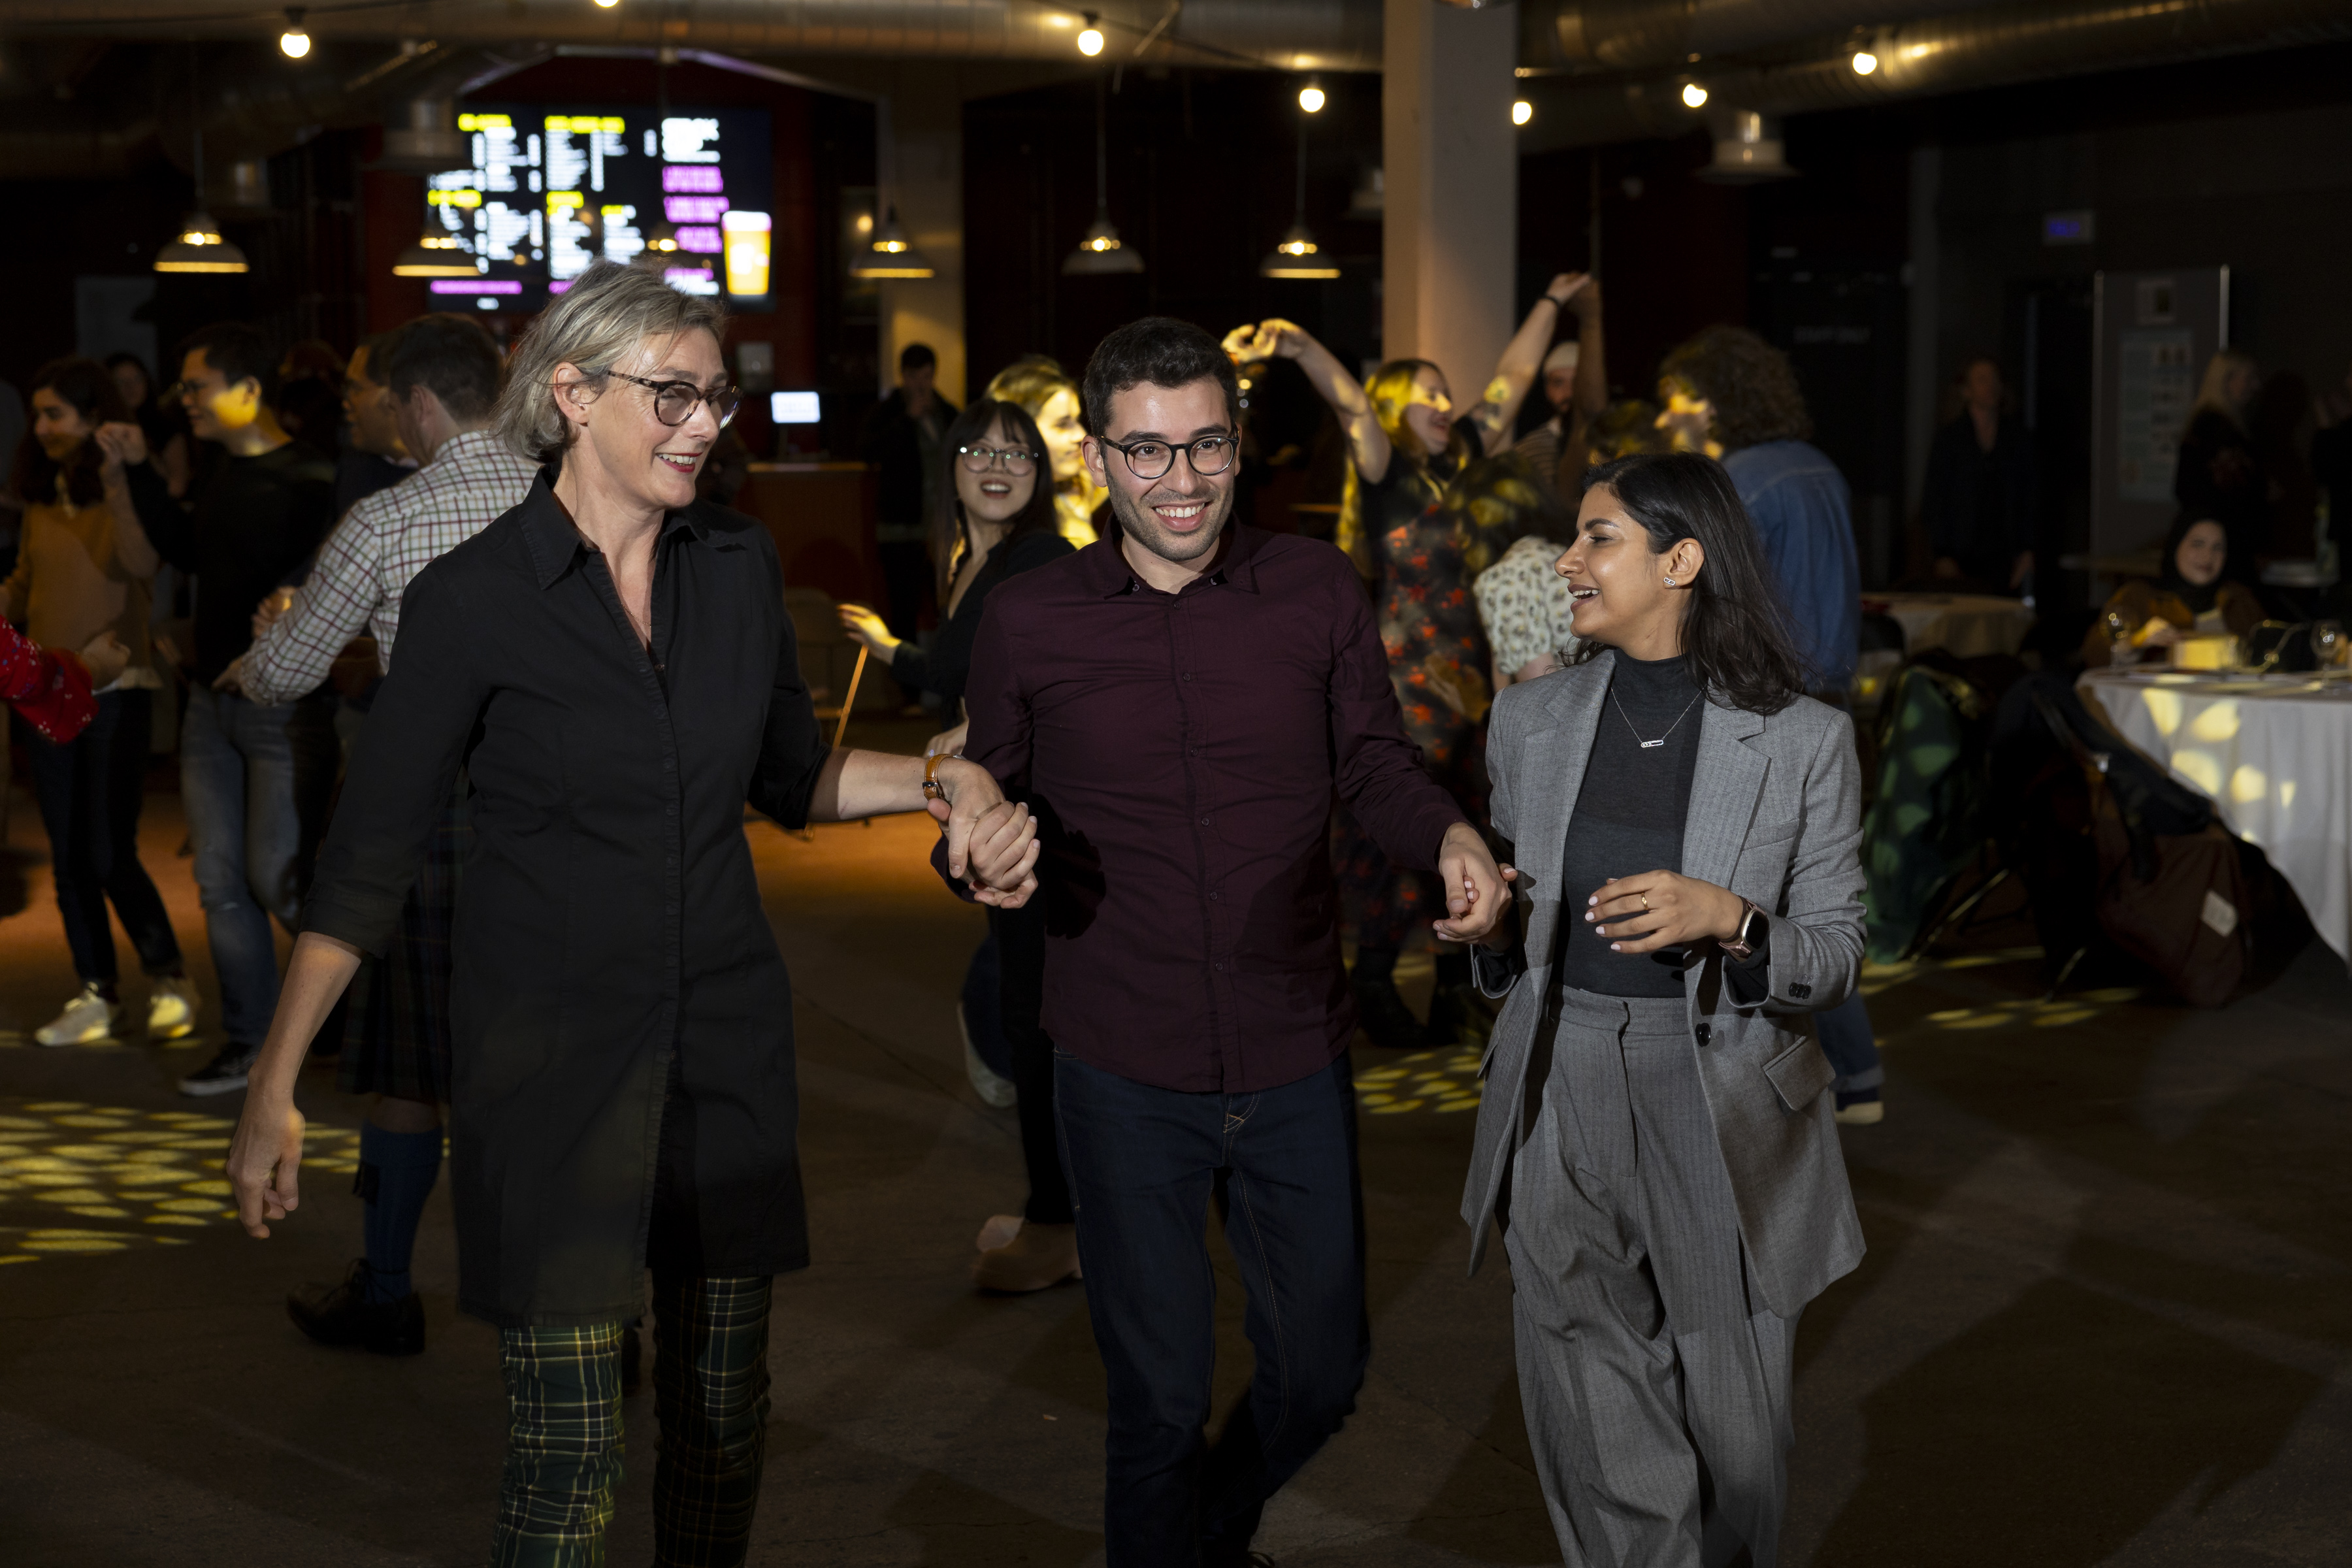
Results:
563 1440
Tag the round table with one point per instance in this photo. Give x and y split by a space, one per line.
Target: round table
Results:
2273 752
1965 625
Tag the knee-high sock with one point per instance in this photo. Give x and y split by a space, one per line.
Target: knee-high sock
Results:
397 1171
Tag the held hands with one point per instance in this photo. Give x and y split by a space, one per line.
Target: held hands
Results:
1660 909
106 657
948 743
1475 886
1273 338
263 1158
991 843
119 444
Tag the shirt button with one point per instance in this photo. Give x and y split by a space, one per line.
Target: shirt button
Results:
1205 821
1188 675
1219 966
1214 895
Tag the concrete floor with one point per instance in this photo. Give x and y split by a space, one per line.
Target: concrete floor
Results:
2103 1317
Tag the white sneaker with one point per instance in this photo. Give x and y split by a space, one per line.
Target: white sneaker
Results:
171 1009
89 1017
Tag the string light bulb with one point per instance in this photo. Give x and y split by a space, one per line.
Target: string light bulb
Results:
1693 95
1865 62
1311 97
1090 41
1522 111
294 43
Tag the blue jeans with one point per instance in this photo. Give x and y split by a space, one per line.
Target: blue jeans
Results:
254 783
91 790
1853 1049
1144 1165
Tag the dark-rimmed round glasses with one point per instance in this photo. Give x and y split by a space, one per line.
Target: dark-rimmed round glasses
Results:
980 459
676 401
1210 456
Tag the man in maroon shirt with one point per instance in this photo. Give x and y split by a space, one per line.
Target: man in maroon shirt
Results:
1178 703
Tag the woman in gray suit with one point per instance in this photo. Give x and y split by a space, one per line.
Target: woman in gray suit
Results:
1654 1139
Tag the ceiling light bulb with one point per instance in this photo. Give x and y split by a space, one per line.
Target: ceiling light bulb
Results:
1090 42
1522 111
1310 99
1693 95
294 43
606 5
1865 62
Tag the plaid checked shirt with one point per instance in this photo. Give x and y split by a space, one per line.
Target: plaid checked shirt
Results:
385 539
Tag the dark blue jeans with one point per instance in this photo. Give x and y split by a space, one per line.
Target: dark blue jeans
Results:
1851 1048
1144 1165
91 789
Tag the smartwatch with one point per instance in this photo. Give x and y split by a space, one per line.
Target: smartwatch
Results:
1752 926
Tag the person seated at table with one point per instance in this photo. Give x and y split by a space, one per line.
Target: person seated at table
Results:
2188 595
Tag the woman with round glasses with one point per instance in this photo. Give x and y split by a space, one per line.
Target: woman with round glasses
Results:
1415 517
1004 524
610 666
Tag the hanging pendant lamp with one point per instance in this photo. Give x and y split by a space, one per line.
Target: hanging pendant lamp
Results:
1297 257
437 255
200 247
1101 252
891 254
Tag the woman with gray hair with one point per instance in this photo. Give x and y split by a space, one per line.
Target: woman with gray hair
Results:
611 666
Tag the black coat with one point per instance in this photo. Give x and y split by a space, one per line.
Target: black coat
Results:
612 969
888 442
1978 505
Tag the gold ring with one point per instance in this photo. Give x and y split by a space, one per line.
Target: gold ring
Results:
1645 903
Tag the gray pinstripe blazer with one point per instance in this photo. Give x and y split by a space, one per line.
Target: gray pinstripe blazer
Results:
1775 815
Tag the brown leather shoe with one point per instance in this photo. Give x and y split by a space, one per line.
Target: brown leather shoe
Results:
1039 1256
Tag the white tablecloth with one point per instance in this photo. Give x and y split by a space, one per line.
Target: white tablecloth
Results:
2274 752
1965 625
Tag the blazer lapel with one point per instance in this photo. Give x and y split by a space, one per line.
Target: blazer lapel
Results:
1723 787
1553 773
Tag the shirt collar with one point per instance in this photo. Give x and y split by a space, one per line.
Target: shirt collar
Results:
555 545
1109 574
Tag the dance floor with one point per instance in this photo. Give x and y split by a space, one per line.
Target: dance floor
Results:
2103 1317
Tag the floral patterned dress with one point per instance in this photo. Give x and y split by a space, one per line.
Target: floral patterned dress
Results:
1429 549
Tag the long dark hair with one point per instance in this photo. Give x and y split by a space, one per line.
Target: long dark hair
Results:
949 540
1734 634
88 388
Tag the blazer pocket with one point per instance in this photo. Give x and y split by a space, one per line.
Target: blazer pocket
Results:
1778 833
1799 1074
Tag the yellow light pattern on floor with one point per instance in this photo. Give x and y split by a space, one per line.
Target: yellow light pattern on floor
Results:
1441 1081
146 1173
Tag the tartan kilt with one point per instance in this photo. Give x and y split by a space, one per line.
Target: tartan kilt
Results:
396 1026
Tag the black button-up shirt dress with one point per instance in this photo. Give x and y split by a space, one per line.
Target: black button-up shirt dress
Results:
612 966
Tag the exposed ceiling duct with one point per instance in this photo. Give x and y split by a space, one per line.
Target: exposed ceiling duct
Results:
1300 34
1987 46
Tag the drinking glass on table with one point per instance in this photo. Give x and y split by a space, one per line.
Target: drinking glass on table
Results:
2119 639
2328 643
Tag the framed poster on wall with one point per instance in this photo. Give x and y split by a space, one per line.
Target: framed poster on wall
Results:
2152 333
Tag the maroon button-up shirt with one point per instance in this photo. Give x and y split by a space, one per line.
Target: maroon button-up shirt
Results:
1181 751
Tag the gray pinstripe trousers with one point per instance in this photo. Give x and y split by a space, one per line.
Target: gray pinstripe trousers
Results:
1656 1379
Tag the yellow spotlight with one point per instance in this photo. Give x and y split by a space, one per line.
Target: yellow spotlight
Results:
606 5
1090 42
1310 99
1693 95
294 43
1522 111
1865 62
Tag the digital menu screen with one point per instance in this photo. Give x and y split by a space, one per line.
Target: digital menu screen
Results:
551 191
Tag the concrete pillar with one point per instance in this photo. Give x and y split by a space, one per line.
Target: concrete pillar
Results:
1450 242
923 170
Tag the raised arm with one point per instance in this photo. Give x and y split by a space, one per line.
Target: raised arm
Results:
1274 338
1521 362
162 518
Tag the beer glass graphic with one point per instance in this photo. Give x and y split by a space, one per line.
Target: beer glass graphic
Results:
747 251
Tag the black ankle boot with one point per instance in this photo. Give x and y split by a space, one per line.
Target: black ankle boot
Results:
341 1314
